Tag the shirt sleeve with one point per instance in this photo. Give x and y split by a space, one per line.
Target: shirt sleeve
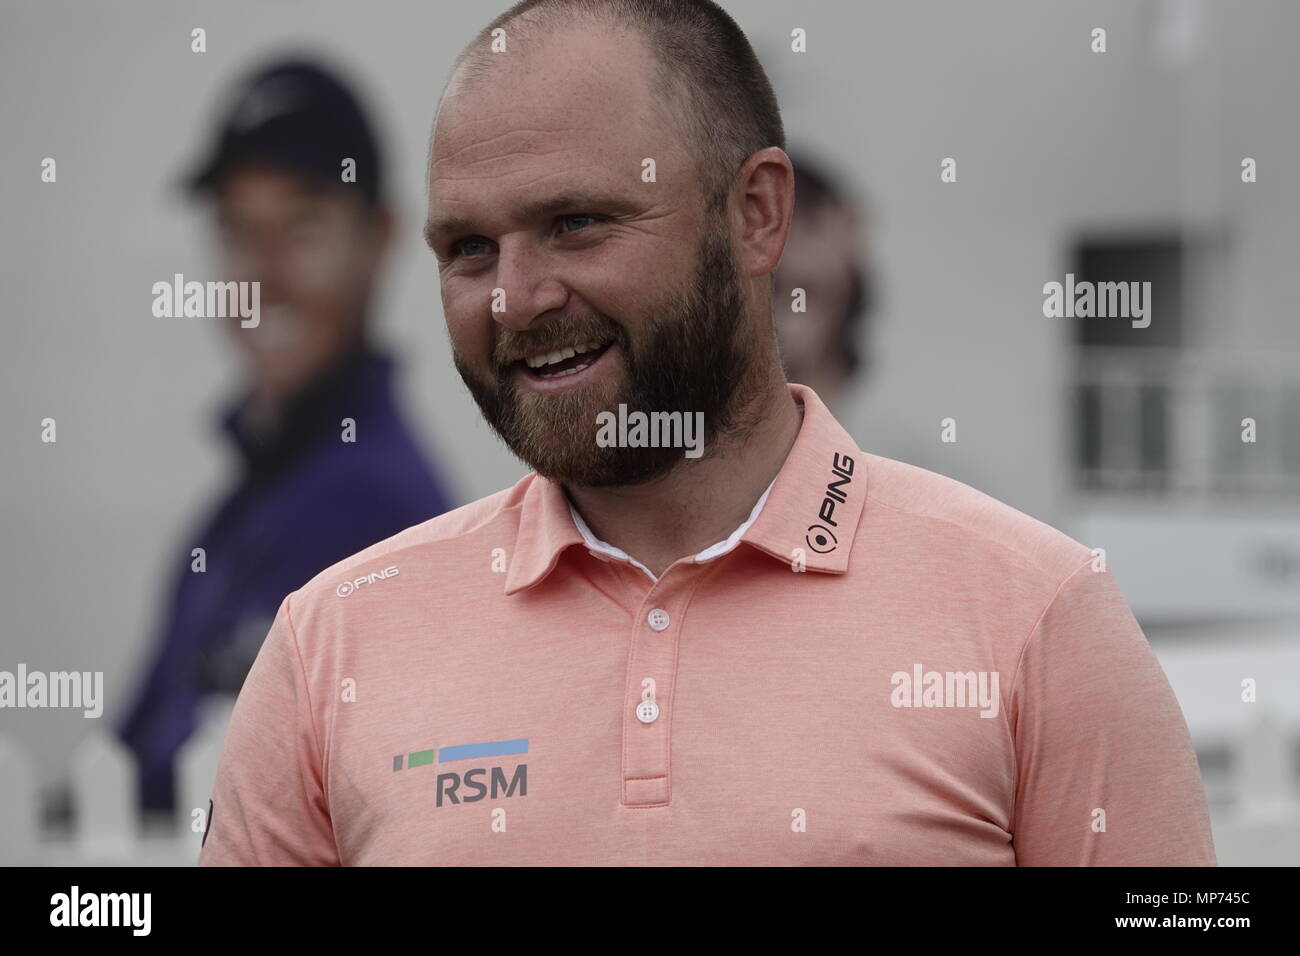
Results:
268 802
1105 770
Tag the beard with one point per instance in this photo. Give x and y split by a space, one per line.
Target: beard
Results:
690 354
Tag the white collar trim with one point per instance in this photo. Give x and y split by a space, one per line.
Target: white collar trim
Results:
708 554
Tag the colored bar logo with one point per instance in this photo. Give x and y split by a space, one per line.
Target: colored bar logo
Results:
492 748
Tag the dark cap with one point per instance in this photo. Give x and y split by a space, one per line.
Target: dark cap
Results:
297 115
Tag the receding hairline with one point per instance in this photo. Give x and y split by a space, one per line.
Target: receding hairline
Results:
672 96
534 25
477 60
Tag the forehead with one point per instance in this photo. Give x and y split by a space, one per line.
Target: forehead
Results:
263 184
574 108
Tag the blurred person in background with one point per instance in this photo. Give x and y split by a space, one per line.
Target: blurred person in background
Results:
285 215
829 345
824 257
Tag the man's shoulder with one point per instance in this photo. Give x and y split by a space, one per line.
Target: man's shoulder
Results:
439 538
958 512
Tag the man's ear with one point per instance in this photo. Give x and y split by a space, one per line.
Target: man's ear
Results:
766 185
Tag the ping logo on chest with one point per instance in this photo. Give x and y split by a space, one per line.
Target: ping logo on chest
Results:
468 785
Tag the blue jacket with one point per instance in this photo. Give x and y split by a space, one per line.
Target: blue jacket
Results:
305 500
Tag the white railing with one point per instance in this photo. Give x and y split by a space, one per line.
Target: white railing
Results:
106 827
1204 395
1260 826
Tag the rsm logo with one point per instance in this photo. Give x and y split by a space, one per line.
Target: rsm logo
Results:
347 587
470 785
449 784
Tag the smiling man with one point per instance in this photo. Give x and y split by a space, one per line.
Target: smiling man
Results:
784 651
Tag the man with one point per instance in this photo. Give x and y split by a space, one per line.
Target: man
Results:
306 497
635 656
823 257
823 346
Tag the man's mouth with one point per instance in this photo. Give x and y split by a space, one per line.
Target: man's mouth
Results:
282 328
566 361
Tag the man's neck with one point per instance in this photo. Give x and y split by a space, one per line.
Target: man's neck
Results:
701 501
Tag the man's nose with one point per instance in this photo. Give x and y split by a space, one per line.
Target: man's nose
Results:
527 285
262 260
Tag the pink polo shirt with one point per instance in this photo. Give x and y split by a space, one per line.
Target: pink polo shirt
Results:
881 666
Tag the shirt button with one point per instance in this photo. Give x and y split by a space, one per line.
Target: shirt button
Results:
658 619
647 712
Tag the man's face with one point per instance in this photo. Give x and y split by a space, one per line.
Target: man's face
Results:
314 251
536 190
818 258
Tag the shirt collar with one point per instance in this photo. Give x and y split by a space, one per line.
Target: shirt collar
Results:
708 554
807 517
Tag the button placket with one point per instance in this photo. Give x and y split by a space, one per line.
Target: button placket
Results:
646 732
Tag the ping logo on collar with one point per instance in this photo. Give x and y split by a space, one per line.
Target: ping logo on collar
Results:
448 784
820 537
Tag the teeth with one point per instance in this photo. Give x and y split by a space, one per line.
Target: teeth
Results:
550 358
568 371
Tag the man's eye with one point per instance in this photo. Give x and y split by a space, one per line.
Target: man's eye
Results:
475 246
465 247
568 220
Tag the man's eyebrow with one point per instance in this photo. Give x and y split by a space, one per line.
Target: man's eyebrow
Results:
438 229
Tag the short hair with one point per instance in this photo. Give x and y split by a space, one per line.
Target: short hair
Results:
703 58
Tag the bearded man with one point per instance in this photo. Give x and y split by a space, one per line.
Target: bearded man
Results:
785 650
